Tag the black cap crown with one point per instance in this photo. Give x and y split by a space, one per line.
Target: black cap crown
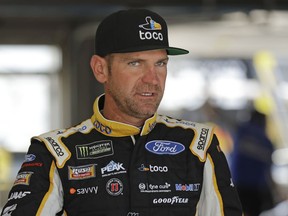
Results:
131 31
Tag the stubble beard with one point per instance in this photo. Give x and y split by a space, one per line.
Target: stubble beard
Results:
140 109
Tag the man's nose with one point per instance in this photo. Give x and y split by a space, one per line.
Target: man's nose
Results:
150 75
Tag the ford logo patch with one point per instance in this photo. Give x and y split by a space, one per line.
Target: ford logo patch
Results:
163 147
29 158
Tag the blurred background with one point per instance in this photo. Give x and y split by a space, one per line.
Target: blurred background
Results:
238 65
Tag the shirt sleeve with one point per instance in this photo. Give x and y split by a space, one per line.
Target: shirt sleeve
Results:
37 189
219 196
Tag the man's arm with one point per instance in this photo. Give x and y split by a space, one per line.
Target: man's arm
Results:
37 189
219 196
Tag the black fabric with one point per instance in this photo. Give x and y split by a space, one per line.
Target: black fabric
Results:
133 30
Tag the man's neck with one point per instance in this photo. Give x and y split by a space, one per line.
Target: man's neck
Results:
113 115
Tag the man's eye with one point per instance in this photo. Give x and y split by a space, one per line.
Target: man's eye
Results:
162 63
134 63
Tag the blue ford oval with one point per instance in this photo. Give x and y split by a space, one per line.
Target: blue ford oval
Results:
29 157
164 147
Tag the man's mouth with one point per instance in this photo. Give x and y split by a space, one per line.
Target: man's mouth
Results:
147 94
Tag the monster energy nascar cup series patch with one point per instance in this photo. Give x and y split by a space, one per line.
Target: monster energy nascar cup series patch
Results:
94 150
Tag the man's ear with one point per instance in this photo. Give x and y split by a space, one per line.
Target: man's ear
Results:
99 68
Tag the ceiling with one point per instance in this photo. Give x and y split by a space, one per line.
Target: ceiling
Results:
207 27
69 9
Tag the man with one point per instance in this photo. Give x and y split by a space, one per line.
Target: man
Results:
127 160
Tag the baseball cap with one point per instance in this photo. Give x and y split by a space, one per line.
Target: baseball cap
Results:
133 30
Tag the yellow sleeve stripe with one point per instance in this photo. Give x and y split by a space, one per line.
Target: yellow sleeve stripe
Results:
52 201
216 185
210 202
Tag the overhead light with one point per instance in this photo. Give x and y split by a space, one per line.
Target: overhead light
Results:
30 58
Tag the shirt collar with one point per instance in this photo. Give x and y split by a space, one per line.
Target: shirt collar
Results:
114 128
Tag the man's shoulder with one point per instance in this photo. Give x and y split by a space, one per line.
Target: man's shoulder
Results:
53 140
203 134
84 127
173 122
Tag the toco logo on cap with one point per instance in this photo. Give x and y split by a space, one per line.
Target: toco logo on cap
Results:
150 25
131 31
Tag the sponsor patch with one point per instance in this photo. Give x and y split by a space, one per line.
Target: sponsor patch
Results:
154 188
84 190
171 200
81 128
56 147
202 139
112 168
32 165
81 172
164 147
23 178
150 28
95 150
102 128
18 195
114 187
9 210
152 168
187 187
29 158
150 24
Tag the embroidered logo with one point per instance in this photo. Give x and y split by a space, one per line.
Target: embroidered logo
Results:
149 30
114 187
81 172
150 24
95 150
23 178
164 147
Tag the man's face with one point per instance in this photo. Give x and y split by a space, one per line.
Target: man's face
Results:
136 82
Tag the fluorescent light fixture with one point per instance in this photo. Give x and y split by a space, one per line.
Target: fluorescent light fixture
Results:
30 58
24 110
184 90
